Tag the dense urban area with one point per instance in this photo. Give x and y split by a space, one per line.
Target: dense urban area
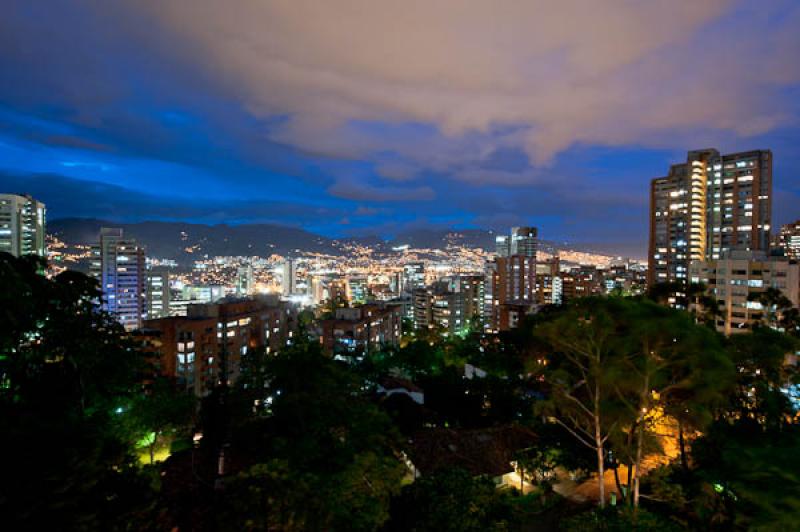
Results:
516 386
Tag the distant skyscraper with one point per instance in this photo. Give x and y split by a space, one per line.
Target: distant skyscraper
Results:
788 240
707 206
157 294
22 225
244 280
522 241
413 276
511 280
357 289
289 277
118 264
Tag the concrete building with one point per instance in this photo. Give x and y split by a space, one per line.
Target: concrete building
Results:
289 279
157 294
413 276
22 225
737 276
244 281
206 347
119 266
788 240
358 330
707 206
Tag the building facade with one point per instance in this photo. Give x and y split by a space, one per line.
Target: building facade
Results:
707 206
739 276
206 347
788 240
22 225
157 294
359 330
119 266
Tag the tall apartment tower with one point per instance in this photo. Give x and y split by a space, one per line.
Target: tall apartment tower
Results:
157 295
22 225
522 241
511 279
118 264
707 206
289 281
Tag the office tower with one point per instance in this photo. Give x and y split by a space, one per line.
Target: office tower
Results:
118 264
707 206
737 277
788 240
413 276
157 294
244 280
289 277
502 245
22 225
521 241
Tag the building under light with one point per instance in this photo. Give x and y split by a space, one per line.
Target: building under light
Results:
119 266
707 206
22 225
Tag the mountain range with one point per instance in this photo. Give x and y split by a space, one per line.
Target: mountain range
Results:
185 241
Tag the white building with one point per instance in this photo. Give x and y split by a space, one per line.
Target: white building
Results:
738 276
22 225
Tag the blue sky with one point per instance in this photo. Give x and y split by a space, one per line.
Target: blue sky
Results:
350 118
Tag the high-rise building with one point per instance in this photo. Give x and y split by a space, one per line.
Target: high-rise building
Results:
707 206
512 277
521 241
244 280
413 276
788 240
157 294
118 264
289 277
22 225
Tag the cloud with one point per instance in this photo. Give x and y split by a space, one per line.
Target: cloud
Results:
359 191
562 72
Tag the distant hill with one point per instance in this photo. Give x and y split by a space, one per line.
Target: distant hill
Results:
185 241
173 239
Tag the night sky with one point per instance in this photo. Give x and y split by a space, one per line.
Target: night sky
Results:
372 117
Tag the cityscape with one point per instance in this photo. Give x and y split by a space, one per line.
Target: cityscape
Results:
337 308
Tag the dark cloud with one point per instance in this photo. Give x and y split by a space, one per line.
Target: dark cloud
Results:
386 115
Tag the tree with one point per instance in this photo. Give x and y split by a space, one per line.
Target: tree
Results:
65 369
162 410
666 364
451 500
579 346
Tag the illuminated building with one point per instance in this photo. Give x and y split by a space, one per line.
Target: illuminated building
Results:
289 277
707 206
244 280
206 347
357 289
788 240
356 331
157 295
413 276
22 225
118 264
738 276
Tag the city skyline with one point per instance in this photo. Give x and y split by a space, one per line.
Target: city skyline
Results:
132 113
